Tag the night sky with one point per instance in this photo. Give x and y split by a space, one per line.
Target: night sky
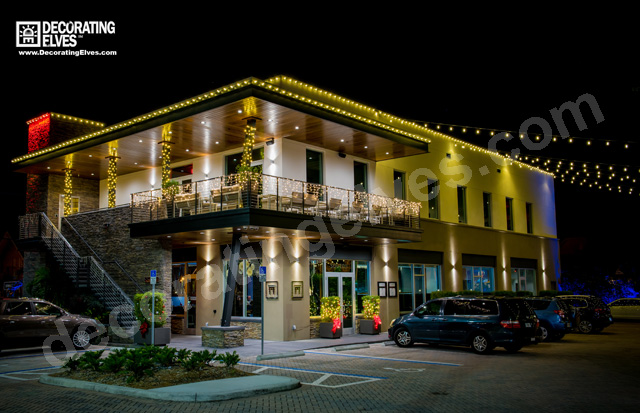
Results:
480 74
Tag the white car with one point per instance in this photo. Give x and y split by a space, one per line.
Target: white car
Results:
625 308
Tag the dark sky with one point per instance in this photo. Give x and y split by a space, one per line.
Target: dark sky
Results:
474 72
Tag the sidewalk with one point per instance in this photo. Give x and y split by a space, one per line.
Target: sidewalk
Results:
252 347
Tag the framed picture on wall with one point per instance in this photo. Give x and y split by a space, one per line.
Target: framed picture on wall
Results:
272 290
296 290
393 289
382 289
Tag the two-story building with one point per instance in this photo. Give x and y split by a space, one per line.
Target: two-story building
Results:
331 196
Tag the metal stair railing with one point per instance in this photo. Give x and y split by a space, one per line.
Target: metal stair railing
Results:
99 282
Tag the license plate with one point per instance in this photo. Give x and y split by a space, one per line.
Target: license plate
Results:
527 324
533 339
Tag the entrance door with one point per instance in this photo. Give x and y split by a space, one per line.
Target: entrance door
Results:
339 282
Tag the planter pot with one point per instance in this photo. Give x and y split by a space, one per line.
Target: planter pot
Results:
326 331
162 337
368 327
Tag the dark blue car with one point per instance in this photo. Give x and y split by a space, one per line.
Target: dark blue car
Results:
553 315
480 322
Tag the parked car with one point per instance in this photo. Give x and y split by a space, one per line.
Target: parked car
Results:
480 322
29 322
625 308
592 314
553 316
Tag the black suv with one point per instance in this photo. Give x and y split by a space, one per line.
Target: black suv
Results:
592 315
480 322
30 322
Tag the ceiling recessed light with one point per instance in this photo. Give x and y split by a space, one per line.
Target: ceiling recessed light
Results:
387 153
90 156
140 141
91 173
239 110
341 140
168 236
135 163
366 147
202 122
217 142
187 150
202 233
48 167
213 239
297 127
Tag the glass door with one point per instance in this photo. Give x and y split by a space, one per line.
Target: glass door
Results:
339 282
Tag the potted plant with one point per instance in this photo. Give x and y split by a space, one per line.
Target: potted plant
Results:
169 191
330 325
143 312
370 323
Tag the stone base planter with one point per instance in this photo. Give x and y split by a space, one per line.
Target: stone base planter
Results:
326 331
368 327
222 337
162 337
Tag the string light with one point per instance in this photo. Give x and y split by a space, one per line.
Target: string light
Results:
68 189
112 177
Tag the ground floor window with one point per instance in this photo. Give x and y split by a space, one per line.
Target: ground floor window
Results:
183 291
247 294
480 279
416 282
316 269
523 279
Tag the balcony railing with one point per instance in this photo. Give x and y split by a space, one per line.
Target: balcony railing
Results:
253 190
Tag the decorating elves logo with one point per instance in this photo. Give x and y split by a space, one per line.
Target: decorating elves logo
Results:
58 33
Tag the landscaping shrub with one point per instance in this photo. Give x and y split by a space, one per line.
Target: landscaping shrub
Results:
504 293
142 308
139 364
166 356
90 360
115 361
199 360
229 359
72 363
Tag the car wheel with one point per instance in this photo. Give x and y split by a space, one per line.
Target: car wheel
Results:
585 326
543 333
403 338
481 344
81 338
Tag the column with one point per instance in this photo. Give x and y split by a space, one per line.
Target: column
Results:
68 189
166 155
384 268
210 286
112 177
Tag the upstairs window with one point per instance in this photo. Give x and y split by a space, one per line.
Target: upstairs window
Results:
510 214
462 204
486 205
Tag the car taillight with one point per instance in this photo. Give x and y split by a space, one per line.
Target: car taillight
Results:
537 324
510 324
560 313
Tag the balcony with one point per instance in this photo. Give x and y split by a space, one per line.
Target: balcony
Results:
272 193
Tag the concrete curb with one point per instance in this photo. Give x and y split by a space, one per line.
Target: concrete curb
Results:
351 347
224 389
280 355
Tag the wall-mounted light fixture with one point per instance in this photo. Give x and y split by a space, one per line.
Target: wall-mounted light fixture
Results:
342 154
270 141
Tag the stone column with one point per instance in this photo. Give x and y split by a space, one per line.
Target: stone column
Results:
68 188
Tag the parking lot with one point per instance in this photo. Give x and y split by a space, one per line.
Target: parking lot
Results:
581 372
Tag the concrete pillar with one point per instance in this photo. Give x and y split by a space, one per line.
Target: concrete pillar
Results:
290 263
210 286
384 268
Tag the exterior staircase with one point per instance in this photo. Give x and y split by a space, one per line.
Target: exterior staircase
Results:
85 272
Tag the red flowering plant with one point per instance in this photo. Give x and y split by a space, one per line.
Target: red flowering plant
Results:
143 310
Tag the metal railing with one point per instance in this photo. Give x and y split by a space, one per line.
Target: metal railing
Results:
39 226
254 190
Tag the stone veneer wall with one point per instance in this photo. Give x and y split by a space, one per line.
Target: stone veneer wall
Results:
107 233
314 327
222 338
252 328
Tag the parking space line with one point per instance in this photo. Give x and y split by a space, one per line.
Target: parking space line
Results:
438 363
315 371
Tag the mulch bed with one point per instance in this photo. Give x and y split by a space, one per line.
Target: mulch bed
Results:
170 376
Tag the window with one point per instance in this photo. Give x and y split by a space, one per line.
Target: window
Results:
434 197
510 214
486 204
316 281
416 282
529 212
480 279
398 185
17 308
360 176
462 204
471 307
232 162
248 291
47 309
314 167
432 308
362 283
523 279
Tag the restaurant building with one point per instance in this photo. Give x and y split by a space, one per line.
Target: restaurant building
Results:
331 196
